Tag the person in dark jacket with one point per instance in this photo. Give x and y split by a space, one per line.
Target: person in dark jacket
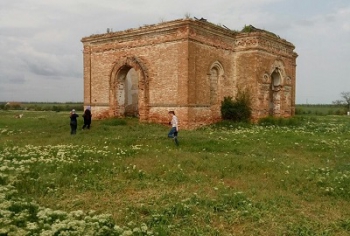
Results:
73 122
87 118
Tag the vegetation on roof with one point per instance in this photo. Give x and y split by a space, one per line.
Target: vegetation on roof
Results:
250 29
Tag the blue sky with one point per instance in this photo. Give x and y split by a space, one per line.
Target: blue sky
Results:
41 57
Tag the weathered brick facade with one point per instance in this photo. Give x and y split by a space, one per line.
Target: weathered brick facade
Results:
188 66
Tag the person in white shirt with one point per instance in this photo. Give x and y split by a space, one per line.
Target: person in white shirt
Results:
174 127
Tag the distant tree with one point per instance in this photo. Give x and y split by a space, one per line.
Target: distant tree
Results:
344 101
12 106
3 106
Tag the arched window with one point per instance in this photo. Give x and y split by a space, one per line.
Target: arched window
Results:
215 73
276 80
213 85
275 97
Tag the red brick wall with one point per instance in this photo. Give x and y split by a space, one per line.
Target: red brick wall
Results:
174 61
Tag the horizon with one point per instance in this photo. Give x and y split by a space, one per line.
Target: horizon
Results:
72 102
42 57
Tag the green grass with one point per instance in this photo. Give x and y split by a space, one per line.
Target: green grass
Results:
277 178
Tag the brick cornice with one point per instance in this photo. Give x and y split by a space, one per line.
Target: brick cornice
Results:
195 31
263 41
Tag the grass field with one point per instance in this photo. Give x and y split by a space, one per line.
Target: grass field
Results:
123 177
321 109
301 109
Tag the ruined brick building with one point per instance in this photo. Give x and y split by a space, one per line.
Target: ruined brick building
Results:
188 66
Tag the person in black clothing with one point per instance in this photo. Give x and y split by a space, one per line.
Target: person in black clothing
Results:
87 118
73 122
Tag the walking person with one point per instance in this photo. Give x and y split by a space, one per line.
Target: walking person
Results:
87 118
174 127
73 122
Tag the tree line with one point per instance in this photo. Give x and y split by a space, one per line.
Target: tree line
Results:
39 106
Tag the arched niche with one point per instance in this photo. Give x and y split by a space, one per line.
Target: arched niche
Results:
216 72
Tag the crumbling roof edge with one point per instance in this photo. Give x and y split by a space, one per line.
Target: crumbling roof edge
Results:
161 25
247 30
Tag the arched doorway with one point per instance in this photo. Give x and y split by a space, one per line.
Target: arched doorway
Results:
129 89
126 92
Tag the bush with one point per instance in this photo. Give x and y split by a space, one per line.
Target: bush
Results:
11 106
3 106
239 110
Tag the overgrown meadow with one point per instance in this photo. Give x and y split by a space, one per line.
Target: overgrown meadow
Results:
123 177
